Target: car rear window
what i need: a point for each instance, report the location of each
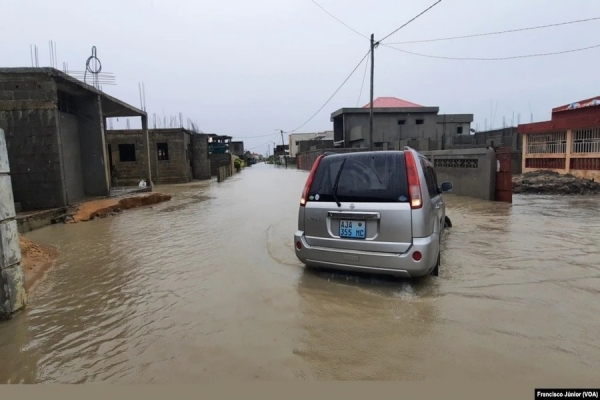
(365, 177)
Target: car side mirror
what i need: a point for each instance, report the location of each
(446, 187)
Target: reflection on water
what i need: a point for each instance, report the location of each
(207, 286)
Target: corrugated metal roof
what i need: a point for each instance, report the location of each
(594, 101)
(391, 102)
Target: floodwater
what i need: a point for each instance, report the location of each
(207, 286)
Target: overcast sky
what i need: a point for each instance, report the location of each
(246, 68)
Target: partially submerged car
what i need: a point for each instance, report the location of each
(377, 211)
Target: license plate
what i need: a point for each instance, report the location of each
(353, 229)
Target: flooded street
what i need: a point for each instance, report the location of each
(207, 286)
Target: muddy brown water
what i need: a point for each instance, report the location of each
(207, 286)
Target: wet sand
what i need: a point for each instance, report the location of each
(36, 261)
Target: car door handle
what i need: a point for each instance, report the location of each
(437, 206)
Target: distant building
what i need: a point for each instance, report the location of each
(54, 126)
(395, 123)
(568, 143)
(237, 148)
(219, 154)
(281, 150)
(295, 139)
(176, 156)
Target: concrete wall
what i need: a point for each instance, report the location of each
(28, 115)
(177, 169)
(128, 173)
(57, 156)
(311, 145)
(13, 296)
(200, 160)
(219, 160)
(68, 126)
(472, 171)
(187, 151)
(96, 178)
(237, 148)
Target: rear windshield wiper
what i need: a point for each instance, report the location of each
(335, 185)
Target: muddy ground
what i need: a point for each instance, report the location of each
(36, 260)
(104, 207)
(548, 182)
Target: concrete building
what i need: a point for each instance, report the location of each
(569, 143)
(295, 139)
(176, 156)
(219, 154)
(54, 126)
(237, 148)
(396, 123)
(281, 150)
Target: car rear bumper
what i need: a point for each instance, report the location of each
(400, 265)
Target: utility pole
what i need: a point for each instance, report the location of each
(371, 105)
(283, 145)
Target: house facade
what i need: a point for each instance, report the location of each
(55, 135)
(176, 156)
(296, 139)
(397, 123)
(569, 143)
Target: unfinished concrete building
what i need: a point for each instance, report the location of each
(237, 148)
(54, 126)
(218, 149)
(398, 123)
(176, 156)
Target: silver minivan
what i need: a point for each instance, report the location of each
(377, 211)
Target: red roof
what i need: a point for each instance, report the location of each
(391, 102)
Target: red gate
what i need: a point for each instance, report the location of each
(503, 175)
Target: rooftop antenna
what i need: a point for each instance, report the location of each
(94, 67)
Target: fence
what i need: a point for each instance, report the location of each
(223, 173)
(12, 281)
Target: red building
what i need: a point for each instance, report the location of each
(569, 143)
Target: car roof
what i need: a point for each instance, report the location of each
(364, 153)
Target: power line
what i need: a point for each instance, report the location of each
(265, 143)
(421, 13)
(334, 93)
(252, 137)
(493, 58)
(363, 82)
(498, 32)
(339, 20)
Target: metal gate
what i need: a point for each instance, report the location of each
(503, 175)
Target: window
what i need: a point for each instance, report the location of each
(401, 122)
(127, 152)
(364, 178)
(430, 179)
(66, 103)
(420, 121)
(459, 130)
(163, 151)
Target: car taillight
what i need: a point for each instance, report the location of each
(414, 183)
(309, 181)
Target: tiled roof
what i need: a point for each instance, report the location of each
(391, 102)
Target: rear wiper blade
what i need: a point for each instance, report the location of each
(335, 185)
